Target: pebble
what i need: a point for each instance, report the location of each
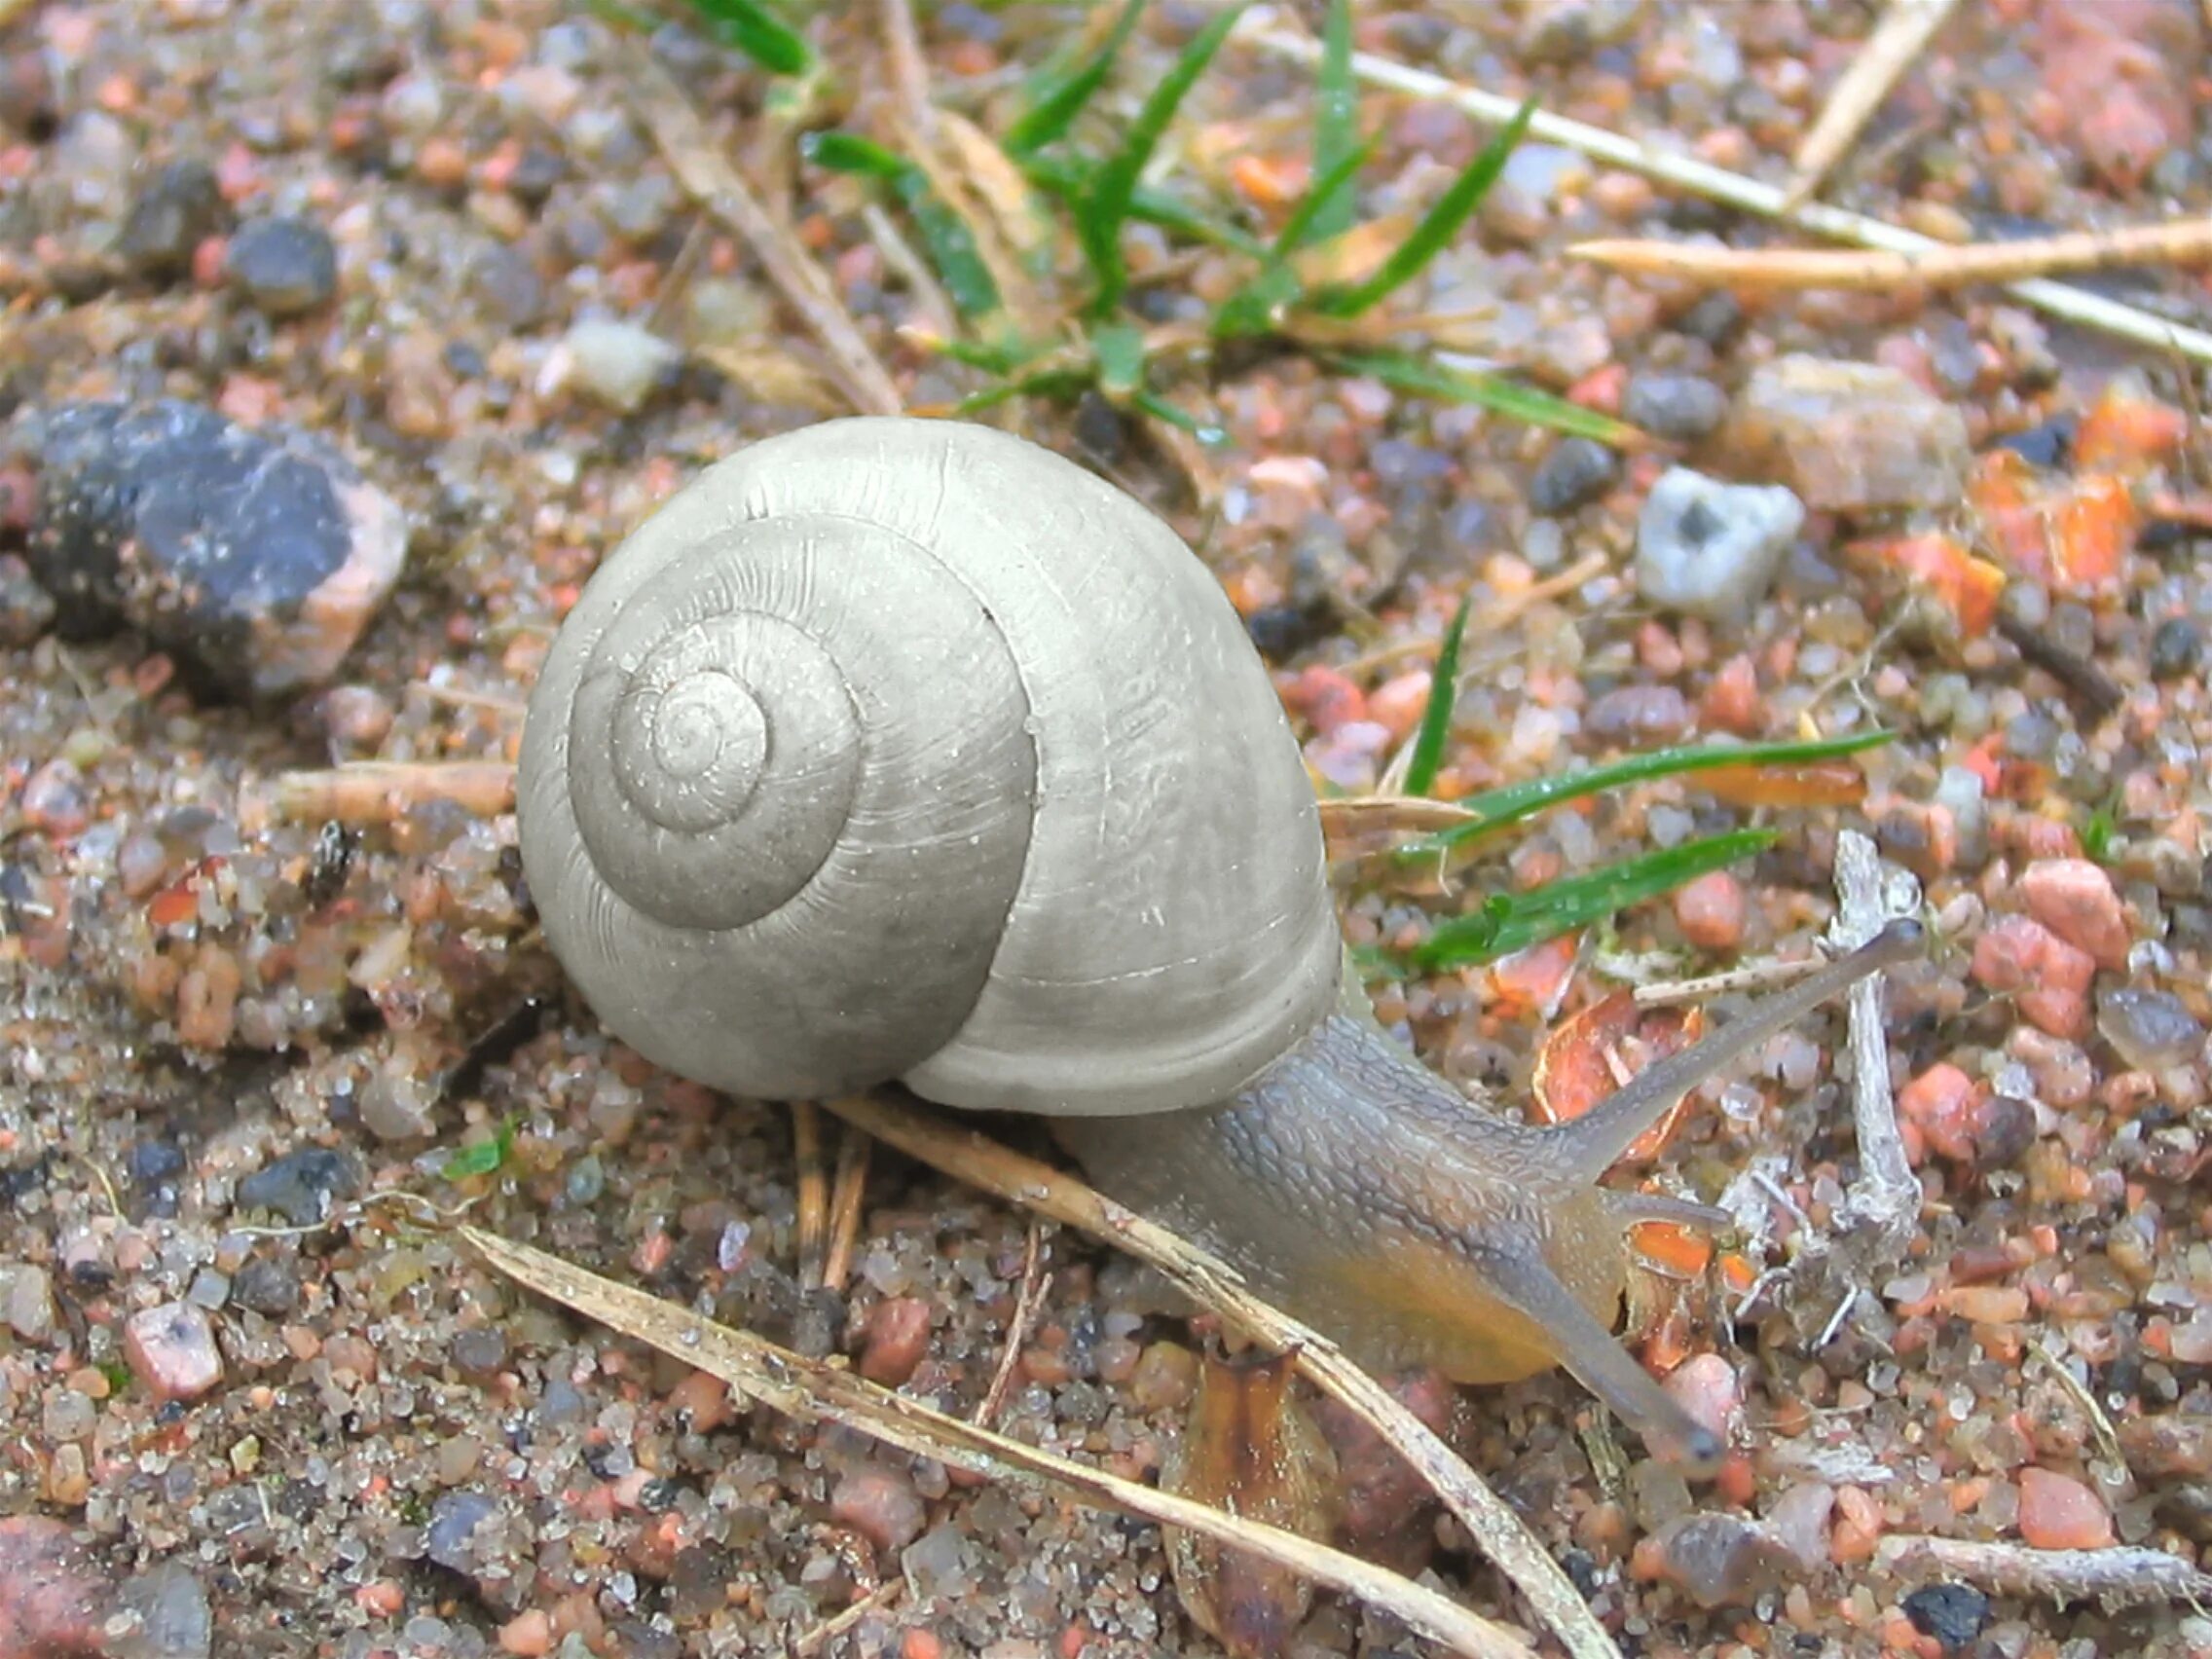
(1850, 437)
(1718, 1560)
(897, 1337)
(254, 558)
(52, 1597)
(28, 1302)
(2177, 647)
(2075, 899)
(1952, 1614)
(1577, 470)
(2059, 1513)
(176, 209)
(173, 1351)
(285, 266)
(173, 1620)
(2019, 956)
(1640, 713)
(1712, 910)
(619, 363)
(26, 610)
(303, 1187)
(1705, 1386)
(1677, 407)
(264, 1285)
(881, 1505)
(941, 1562)
(1712, 549)
(2153, 1030)
(451, 1540)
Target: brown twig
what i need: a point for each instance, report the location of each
(1028, 1302)
(2188, 241)
(976, 1158)
(721, 191)
(1746, 195)
(2115, 1578)
(381, 791)
(813, 1192)
(816, 1390)
(1494, 619)
(1898, 39)
(847, 1189)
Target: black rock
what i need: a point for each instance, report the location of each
(175, 211)
(255, 558)
(1952, 1614)
(153, 1166)
(287, 267)
(1677, 407)
(1577, 470)
(266, 1286)
(2177, 647)
(2048, 443)
(302, 1186)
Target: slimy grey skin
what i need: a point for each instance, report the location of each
(903, 750)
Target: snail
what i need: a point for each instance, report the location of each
(897, 748)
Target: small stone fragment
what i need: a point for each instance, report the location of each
(28, 1302)
(1850, 437)
(2018, 956)
(175, 211)
(52, 1597)
(2075, 899)
(264, 1285)
(1718, 1560)
(302, 1186)
(898, 1336)
(26, 610)
(619, 363)
(1712, 549)
(1705, 1386)
(2059, 1513)
(1952, 1614)
(1677, 407)
(255, 558)
(881, 1505)
(2153, 1030)
(173, 1620)
(1712, 911)
(452, 1540)
(1577, 470)
(173, 1351)
(287, 267)
(940, 1563)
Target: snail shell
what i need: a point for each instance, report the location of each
(907, 749)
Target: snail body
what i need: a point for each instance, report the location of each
(907, 749)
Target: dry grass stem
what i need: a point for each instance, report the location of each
(1886, 1197)
(1028, 1302)
(938, 314)
(819, 1391)
(1748, 195)
(2115, 1578)
(1905, 28)
(1752, 976)
(716, 187)
(1358, 827)
(847, 1191)
(1493, 618)
(2186, 243)
(982, 1163)
(382, 791)
(813, 1178)
(830, 1629)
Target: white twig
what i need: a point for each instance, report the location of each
(1749, 194)
(1885, 1195)
(1906, 27)
(2115, 1578)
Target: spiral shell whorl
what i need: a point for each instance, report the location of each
(907, 749)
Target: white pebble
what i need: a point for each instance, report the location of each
(1711, 548)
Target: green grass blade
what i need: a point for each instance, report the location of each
(757, 32)
(1328, 211)
(1208, 433)
(1067, 179)
(1514, 921)
(1332, 191)
(1439, 225)
(950, 244)
(1051, 381)
(1060, 99)
(481, 1157)
(1498, 393)
(1113, 188)
(1118, 348)
(1497, 808)
(1436, 717)
(1257, 308)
